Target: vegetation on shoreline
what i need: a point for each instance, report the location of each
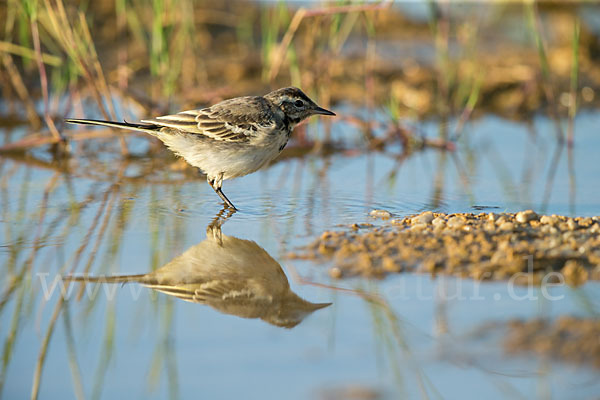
(124, 60)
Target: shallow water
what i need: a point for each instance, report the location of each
(419, 340)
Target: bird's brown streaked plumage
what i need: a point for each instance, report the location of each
(232, 138)
(235, 120)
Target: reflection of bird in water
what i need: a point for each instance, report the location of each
(234, 276)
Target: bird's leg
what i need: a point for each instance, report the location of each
(225, 199)
(213, 230)
(216, 185)
(221, 217)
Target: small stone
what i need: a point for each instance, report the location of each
(571, 224)
(335, 273)
(507, 226)
(383, 214)
(547, 220)
(438, 222)
(418, 227)
(423, 218)
(455, 222)
(489, 226)
(585, 222)
(526, 216)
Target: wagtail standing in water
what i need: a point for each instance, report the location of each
(232, 138)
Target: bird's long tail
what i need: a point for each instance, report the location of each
(140, 127)
(105, 278)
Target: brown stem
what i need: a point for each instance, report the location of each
(43, 79)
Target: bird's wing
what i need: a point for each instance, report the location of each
(229, 291)
(235, 120)
(207, 292)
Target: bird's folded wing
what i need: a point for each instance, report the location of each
(230, 291)
(226, 121)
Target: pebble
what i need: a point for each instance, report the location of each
(548, 220)
(586, 222)
(438, 222)
(423, 218)
(418, 227)
(455, 222)
(335, 273)
(382, 214)
(526, 216)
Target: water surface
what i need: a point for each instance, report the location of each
(104, 216)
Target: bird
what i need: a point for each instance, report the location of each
(232, 138)
(233, 276)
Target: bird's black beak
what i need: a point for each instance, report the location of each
(319, 110)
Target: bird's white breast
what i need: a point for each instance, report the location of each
(230, 159)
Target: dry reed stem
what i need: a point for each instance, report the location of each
(547, 88)
(29, 263)
(17, 50)
(102, 80)
(22, 92)
(574, 85)
(43, 79)
(72, 45)
(279, 53)
(75, 370)
(37, 376)
(110, 199)
(61, 300)
(41, 139)
(17, 278)
(299, 279)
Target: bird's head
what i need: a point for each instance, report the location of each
(295, 104)
(290, 309)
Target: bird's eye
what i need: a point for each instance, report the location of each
(299, 103)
